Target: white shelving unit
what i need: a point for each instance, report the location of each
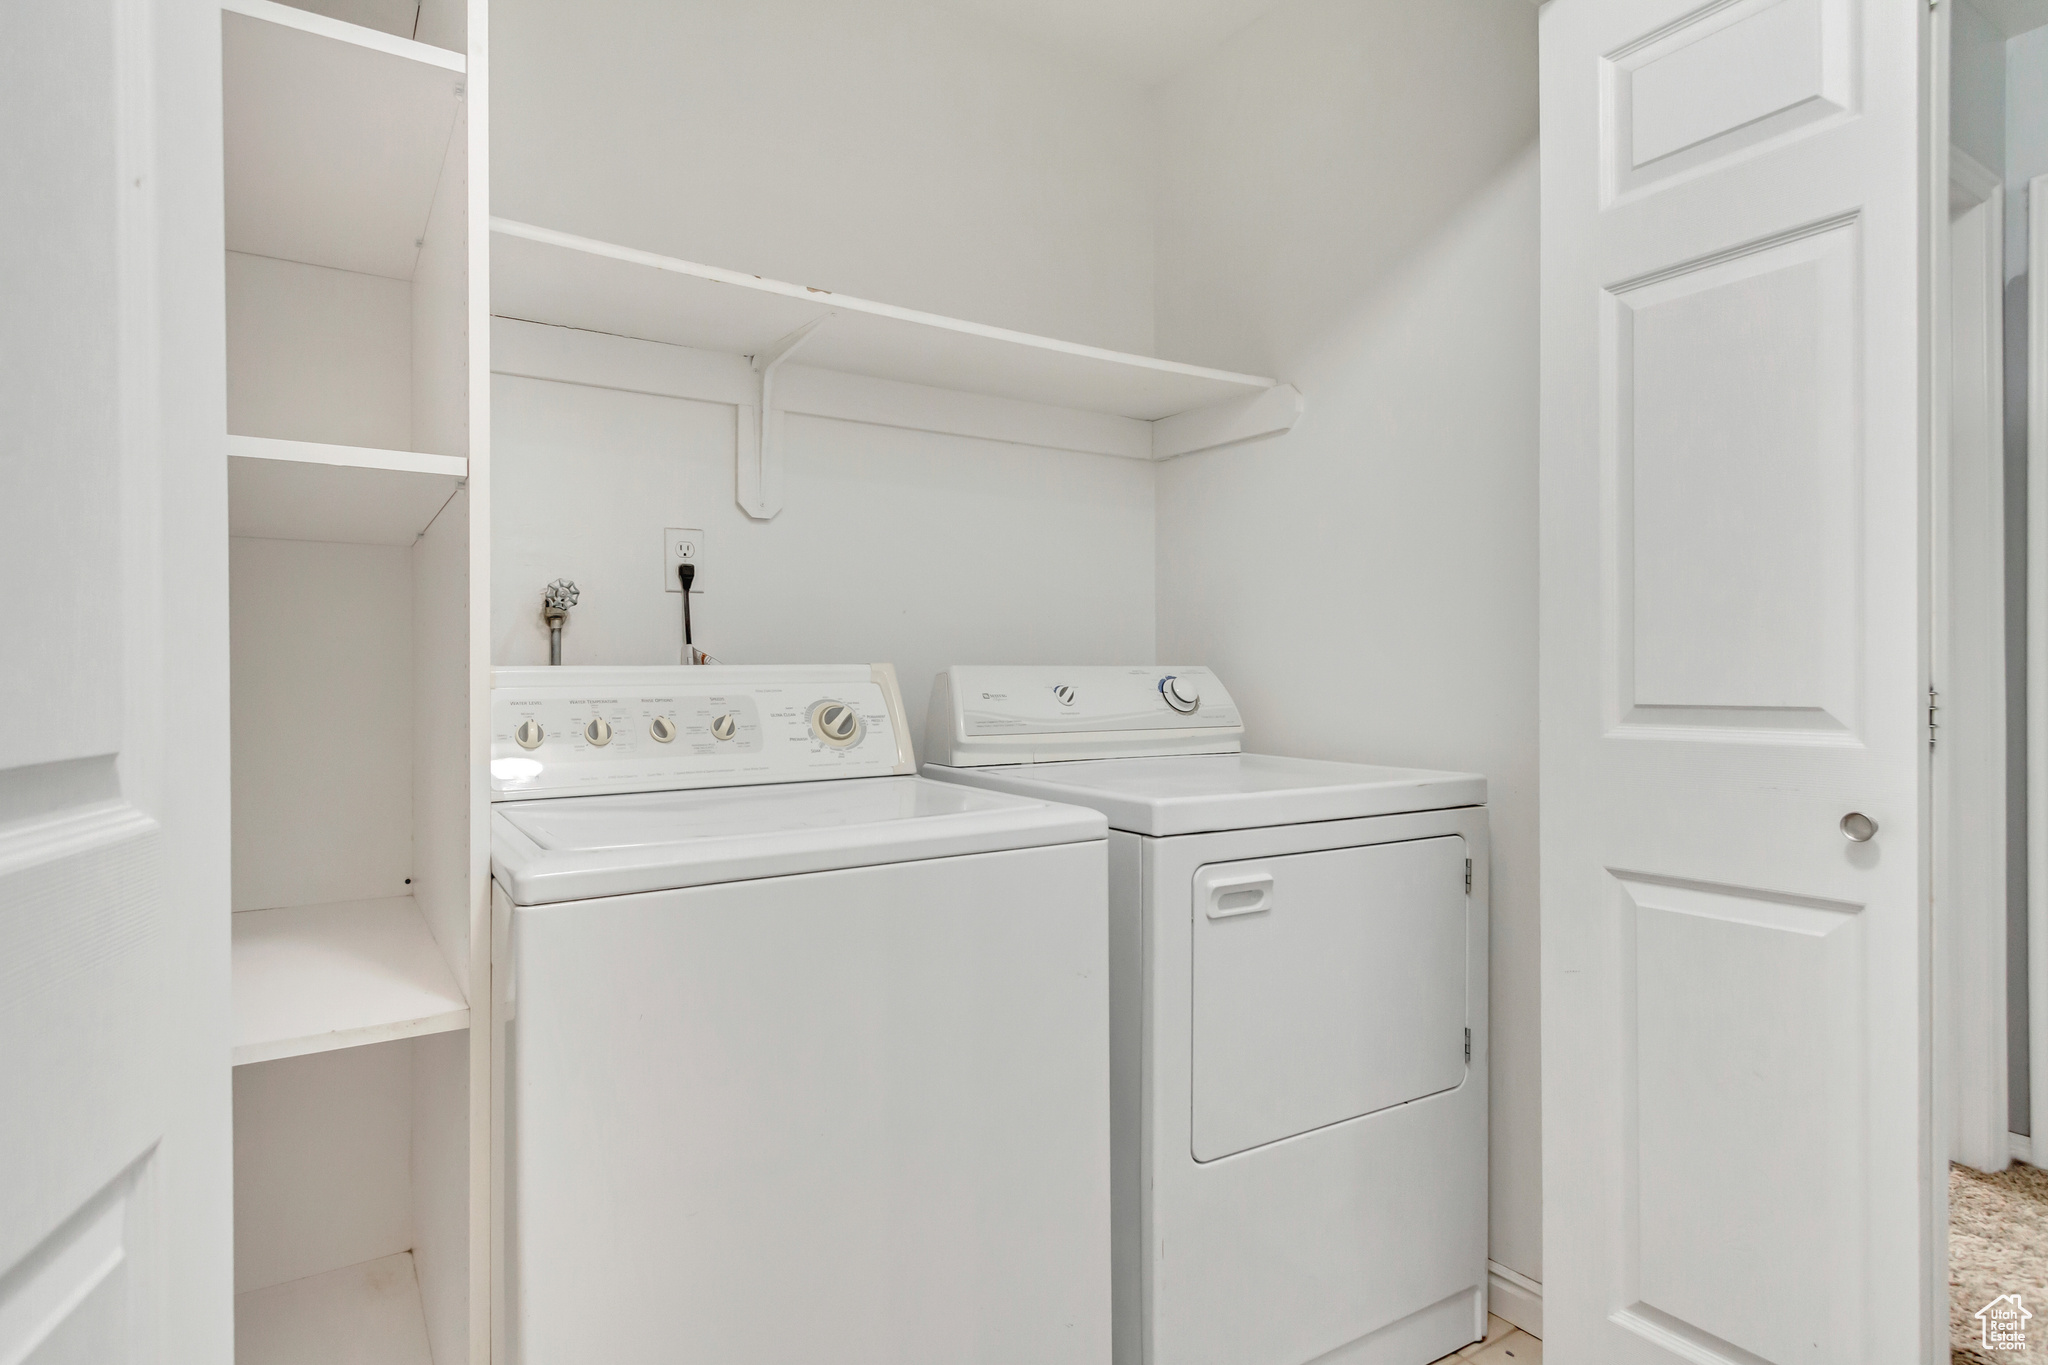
(357, 405)
(311, 978)
(545, 276)
(306, 490)
(335, 137)
(542, 275)
(364, 1314)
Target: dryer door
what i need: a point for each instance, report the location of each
(1326, 986)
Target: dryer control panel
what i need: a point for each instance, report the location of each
(579, 731)
(985, 715)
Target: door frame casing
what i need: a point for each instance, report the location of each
(2037, 671)
(1967, 732)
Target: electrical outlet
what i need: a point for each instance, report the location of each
(682, 545)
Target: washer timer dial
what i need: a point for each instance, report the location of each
(836, 723)
(1182, 694)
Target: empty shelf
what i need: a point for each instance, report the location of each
(540, 275)
(302, 490)
(336, 136)
(311, 978)
(366, 1314)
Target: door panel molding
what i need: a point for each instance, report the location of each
(1730, 78)
(1732, 491)
(78, 1289)
(1734, 1004)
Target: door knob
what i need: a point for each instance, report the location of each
(1858, 827)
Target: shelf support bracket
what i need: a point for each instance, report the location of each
(1266, 413)
(758, 474)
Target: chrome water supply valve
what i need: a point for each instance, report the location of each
(554, 608)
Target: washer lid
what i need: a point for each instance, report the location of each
(1195, 794)
(579, 847)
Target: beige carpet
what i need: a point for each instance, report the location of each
(1997, 1244)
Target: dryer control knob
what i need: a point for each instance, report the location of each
(1182, 694)
(599, 731)
(662, 728)
(529, 734)
(836, 724)
(725, 726)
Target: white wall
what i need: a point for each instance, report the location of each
(904, 546)
(1348, 201)
(323, 1162)
(440, 1188)
(1977, 86)
(320, 663)
(890, 149)
(1345, 197)
(316, 354)
(2026, 136)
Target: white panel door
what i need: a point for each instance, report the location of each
(1737, 1162)
(114, 1157)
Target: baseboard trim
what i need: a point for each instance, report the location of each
(1515, 1297)
(2022, 1148)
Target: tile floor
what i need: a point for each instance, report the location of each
(1505, 1344)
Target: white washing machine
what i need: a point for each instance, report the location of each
(1297, 1017)
(798, 1056)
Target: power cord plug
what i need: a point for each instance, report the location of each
(687, 572)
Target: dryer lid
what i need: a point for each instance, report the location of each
(1201, 793)
(580, 847)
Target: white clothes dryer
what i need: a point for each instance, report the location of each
(797, 1056)
(1298, 977)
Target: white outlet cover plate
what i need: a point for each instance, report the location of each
(681, 544)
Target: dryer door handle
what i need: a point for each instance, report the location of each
(1246, 894)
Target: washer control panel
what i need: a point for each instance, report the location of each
(1016, 714)
(568, 731)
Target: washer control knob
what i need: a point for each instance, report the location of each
(725, 726)
(1182, 694)
(662, 728)
(836, 724)
(529, 734)
(1064, 695)
(599, 731)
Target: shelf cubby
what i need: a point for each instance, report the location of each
(365, 1314)
(311, 978)
(351, 149)
(309, 490)
(336, 137)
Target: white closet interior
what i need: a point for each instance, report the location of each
(1322, 213)
(1337, 197)
(351, 136)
